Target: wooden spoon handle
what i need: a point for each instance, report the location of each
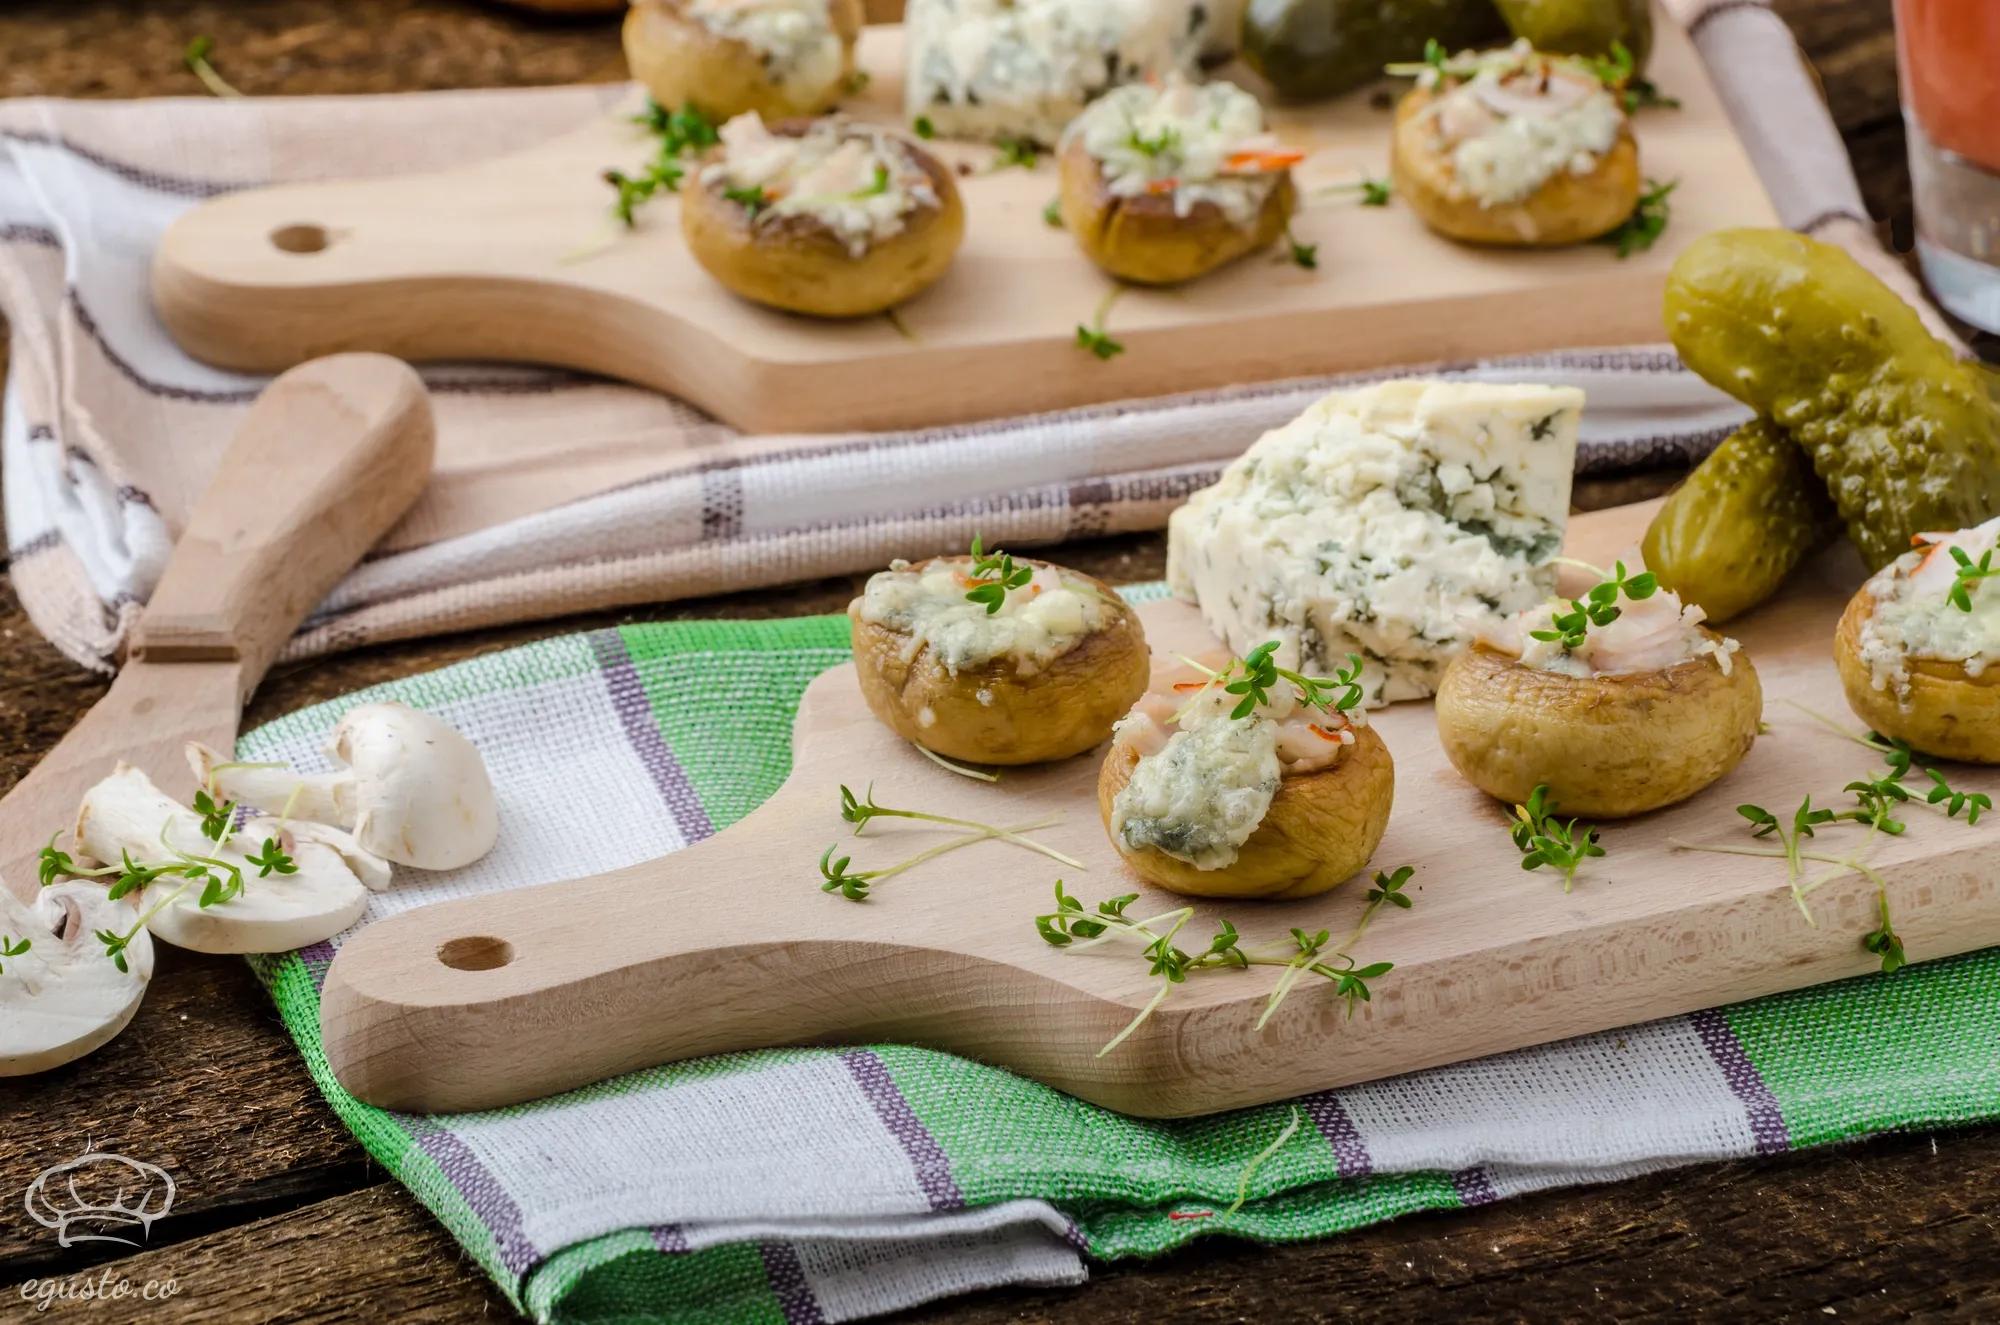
(329, 457)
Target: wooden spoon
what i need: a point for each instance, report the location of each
(328, 458)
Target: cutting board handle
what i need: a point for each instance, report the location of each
(329, 457)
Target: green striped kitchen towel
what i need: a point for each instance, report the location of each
(832, 1184)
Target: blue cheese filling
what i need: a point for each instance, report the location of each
(1190, 141)
(1915, 618)
(1201, 797)
(1024, 69)
(794, 38)
(1519, 121)
(860, 183)
(1036, 624)
(1393, 522)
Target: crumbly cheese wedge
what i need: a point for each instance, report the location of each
(1393, 522)
(1022, 69)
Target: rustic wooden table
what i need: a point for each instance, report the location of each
(282, 1218)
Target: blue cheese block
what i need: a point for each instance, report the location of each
(1391, 522)
(1022, 69)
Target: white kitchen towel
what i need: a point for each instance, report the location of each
(557, 493)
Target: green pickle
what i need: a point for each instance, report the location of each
(1319, 48)
(1746, 517)
(1905, 436)
(1583, 27)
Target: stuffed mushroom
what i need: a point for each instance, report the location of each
(1165, 182)
(726, 57)
(829, 218)
(1275, 789)
(1516, 148)
(996, 660)
(1915, 646)
(1619, 703)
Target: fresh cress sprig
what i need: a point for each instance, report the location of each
(196, 58)
(679, 132)
(1253, 676)
(993, 576)
(1094, 336)
(1544, 839)
(1599, 607)
(1648, 221)
(1072, 925)
(1021, 152)
(854, 885)
(12, 947)
(861, 811)
(1970, 573)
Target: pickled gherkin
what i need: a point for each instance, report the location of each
(1320, 48)
(1583, 27)
(1905, 437)
(1746, 517)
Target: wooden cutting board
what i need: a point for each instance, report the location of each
(517, 259)
(731, 945)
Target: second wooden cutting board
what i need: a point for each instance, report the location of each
(518, 259)
(731, 944)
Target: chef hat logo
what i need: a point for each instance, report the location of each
(101, 1197)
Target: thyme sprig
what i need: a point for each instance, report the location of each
(1970, 573)
(1544, 839)
(993, 575)
(1072, 925)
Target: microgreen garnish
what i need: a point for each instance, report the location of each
(752, 199)
(854, 885)
(1648, 221)
(856, 82)
(1374, 192)
(1804, 819)
(1020, 152)
(923, 127)
(196, 58)
(860, 811)
(878, 185)
(1883, 940)
(1168, 139)
(1071, 925)
(1969, 574)
(1544, 839)
(1052, 214)
(992, 576)
(1644, 94)
(1597, 608)
(1095, 337)
(12, 947)
(680, 132)
(1253, 676)
(215, 817)
(55, 863)
(1257, 1162)
(272, 859)
(1299, 254)
(1614, 71)
(953, 766)
(1942, 793)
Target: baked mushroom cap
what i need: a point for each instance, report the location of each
(1946, 712)
(1142, 238)
(797, 263)
(1321, 828)
(1566, 209)
(1606, 746)
(683, 62)
(992, 714)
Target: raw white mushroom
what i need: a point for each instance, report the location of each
(275, 913)
(63, 997)
(414, 790)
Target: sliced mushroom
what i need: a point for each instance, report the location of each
(274, 912)
(61, 996)
(414, 790)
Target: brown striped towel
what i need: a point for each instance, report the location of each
(556, 492)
